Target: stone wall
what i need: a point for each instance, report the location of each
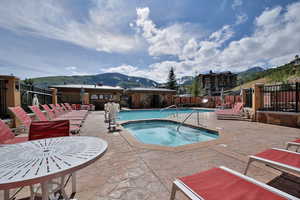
(279, 118)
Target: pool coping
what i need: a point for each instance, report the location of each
(223, 138)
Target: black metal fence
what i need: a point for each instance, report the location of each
(283, 97)
(248, 95)
(3, 96)
(27, 93)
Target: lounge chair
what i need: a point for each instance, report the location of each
(59, 112)
(226, 184)
(295, 143)
(69, 108)
(52, 115)
(74, 125)
(65, 111)
(281, 159)
(22, 116)
(7, 136)
(42, 129)
(234, 113)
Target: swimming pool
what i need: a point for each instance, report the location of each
(161, 132)
(154, 114)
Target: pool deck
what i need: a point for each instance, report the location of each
(129, 172)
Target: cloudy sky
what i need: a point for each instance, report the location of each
(145, 37)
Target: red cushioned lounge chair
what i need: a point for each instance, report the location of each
(41, 117)
(234, 113)
(42, 129)
(71, 109)
(7, 136)
(59, 113)
(21, 115)
(281, 159)
(64, 111)
(225, 184)
(295, 143)
(53, 116)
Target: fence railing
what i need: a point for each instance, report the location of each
(283, 97)
(3, 105)
(27, 92)
(248, 97)
(213, 101)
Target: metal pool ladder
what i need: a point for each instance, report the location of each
(169, 108)
(189, 115)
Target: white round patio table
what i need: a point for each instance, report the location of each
(40, 161)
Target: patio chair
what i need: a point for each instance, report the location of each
(42, 129)
(53, 116)
(21, 115)
(59, 112)
(226, 184)
(65, 111)
(7, 136)
(74, 125)
(234, 113)
(280, 159)
(69, 107)
(295, 143)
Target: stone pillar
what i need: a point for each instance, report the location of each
(257, 98)
(244, 97)
(54, 95)
(86, 98)
(13, 96)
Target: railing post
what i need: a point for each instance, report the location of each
(297, 97)
(257, 98)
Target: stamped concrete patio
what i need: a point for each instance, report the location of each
(127, 172)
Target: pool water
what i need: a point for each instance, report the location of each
(165, 133)
(154, 114)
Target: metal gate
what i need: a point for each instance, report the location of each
(3, 105)
(28, 91)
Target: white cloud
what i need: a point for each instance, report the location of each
(74, 71)
(101, 30)
(236, 3)
(165, 41)
(274, 42)
(241, 18)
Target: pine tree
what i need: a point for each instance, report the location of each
(196, 88)
(172, 84)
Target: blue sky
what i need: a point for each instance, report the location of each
(145, 37)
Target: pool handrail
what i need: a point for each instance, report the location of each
(169, 108)
(189, 115)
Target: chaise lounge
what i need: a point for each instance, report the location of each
(226, 184)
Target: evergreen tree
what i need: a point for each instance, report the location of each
(196, 87)
(172, 84)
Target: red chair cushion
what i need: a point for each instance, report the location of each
(216, 184)
(49, 129)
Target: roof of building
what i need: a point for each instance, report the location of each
(150, 89)
(97, 87)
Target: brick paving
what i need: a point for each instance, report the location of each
(127, 172)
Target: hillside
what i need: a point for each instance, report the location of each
(111, 79)
(281, 74)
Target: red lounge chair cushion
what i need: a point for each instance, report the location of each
(297, 141)
(21, 115)
(40, 115)
(16, 140)
(7, 137)
(284, 157)
(42, 129)
(216, 184)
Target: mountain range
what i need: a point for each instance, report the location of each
(122, 80)
(111, 79)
